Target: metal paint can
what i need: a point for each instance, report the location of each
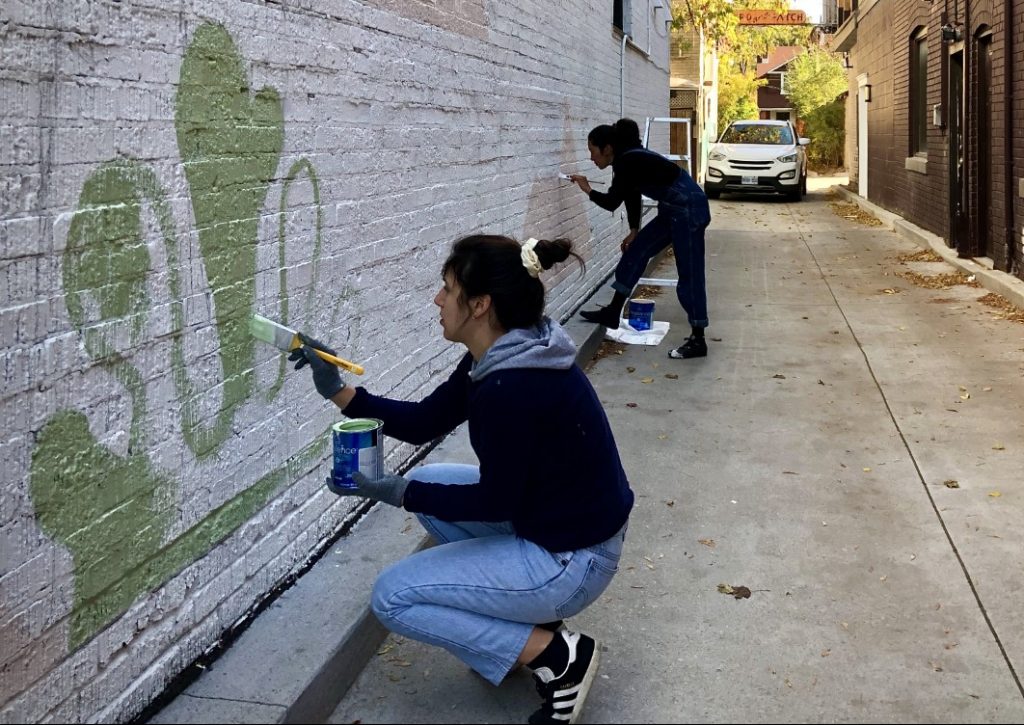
(641, 314)
(358, 446)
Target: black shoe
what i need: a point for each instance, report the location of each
(602, 316)
(565, 694)
(693, 347)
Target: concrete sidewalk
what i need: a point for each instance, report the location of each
(850, 451)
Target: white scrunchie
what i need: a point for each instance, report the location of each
(530, 259)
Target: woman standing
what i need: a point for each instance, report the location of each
(533, 534)
(683, 215)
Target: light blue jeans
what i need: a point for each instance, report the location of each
(481, 590)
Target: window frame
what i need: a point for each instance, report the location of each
(622, 11)
(917, 106)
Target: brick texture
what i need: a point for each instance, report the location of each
(168, 168)
(994, 211)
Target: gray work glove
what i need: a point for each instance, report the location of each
(326, 376)
(389, 488)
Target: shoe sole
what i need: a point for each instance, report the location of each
(588, 680)
(672, 354)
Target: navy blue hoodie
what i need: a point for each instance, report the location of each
(548, 460)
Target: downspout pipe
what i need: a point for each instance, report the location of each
(622, 76)
(1008, 158)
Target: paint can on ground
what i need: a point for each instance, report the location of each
(358, 446)
(641, 314)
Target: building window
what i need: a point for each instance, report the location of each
(919, 93)
(621, 16)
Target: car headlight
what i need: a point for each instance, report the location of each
(788, 158)
(719, 156)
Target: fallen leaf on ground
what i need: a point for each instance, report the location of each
(951, 483)
(937, 281)
(994, 494)
(630, 405)
(998, 447)
(646, 380)
(779, 376)
(631, 369)
(672, 376)
(710, 543)
(1009, 311)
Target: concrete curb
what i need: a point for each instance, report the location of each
(1002, 283)
(296, 660)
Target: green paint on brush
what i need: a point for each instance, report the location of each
(230, 143)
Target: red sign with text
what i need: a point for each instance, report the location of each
(770, 17)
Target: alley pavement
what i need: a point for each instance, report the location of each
(850, 456)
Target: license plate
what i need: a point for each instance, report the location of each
(750, 180)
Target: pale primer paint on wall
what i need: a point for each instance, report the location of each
(466, 17)
(111, 511)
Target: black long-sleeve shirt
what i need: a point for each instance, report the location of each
(548, 460)
(631, 171)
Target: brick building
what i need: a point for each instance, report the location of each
(935, 117)
(166, 170)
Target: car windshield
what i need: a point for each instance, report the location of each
(757, 133)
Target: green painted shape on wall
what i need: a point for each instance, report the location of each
(109, 511)
(230, 143)
(302, 165)
(103, 508)
(105, 263)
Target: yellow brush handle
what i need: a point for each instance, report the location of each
(351, 367)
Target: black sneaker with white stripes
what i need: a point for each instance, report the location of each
(565, 694)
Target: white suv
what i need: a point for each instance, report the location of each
(760, 157)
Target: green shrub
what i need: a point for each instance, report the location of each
(826, 127)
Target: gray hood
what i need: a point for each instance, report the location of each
(545, 346)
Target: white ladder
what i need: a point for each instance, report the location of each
(647, 202)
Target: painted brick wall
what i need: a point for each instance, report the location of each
(882, 51)
(169, 167)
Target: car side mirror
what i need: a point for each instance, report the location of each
(804, 141)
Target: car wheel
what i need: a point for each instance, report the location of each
(712, 193)
(797, 193)
(803, 184)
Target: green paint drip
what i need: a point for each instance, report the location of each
(230, 143)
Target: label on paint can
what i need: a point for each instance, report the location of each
(641, 314)
(358, 446)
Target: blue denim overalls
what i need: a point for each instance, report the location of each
(683, 215)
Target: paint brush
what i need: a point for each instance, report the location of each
(287, 339)
(567, 178)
